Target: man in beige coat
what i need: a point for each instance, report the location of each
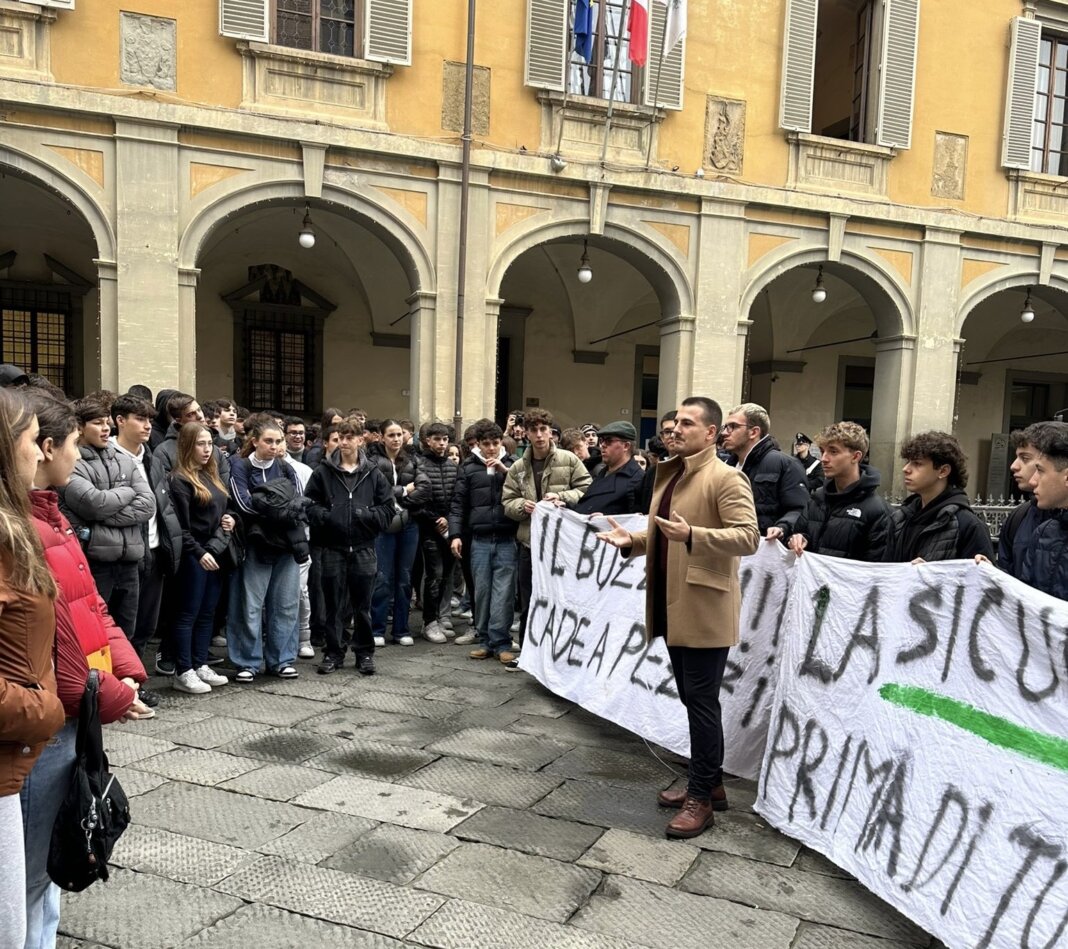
(701, 521)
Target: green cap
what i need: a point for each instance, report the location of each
(623, 430)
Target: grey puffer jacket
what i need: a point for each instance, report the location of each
(563, 475)
(109, 494)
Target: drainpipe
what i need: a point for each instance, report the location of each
(465, 193)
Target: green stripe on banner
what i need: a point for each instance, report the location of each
(998, 731)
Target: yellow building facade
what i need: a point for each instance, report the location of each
(158, 162)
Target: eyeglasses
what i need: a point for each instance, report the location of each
(667, 431)
(731, 426)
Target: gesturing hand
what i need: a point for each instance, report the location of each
(674, 529)
(208, 562)
(617, 536)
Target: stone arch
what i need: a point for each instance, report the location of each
(866, 276)
(660, 268)
(69, 191)
(1019, 277)
(405, 244)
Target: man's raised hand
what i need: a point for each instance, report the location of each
(617, 536)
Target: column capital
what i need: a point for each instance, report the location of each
(107, 269)
(188, 276)
(422, 298)
(892, 343)
(682, 323)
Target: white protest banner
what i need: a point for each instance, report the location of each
(585, 638)
(917, 739)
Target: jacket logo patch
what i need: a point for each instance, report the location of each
(853, 512)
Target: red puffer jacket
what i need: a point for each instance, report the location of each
(82, 615)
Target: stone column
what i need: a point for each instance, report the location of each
(422, 307)
(149, 347)
(486, 402)
(105, 373)
(892, 402)
(187, 328)
(721, 268)
(676, 361)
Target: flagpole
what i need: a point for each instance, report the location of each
(656, 92)
(567, 72)
(615, 75)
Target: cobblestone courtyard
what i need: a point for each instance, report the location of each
(443, 802)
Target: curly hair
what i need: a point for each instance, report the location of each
(940, 448)
(538, 417)
(849, 434)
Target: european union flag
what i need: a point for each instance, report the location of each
(584, 29)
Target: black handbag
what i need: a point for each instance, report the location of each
(95, 811)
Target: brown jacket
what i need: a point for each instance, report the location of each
(703, 593)
(30, 710)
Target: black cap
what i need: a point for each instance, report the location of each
(802, 438)
(11, 375)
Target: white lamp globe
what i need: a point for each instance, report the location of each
(307, 238)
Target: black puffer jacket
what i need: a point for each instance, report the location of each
(1016, 533)
(947, 529)
(349, 508)
(476, 502)
(780, 491)
(407, 474)
(441, 473)
(1045, 562)
(854, 524)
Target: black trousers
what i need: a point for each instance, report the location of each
(319, 620)
(348, 579)
(118, 585)
(526, 589)
(698, 675)
(437, 573)
(148, 599)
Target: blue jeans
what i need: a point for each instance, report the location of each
(42, 794)
(198, 595)
(257, 585)
(393, 585)
(494, 564)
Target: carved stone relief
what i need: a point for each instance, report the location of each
(149, 51)
(724, 135)
(452, 100)
(950, 165)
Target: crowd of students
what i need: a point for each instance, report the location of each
(125, 520)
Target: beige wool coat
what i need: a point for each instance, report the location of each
(703, 592)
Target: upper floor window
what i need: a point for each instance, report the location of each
(324, 26)
(609, 42)
(1049, 143)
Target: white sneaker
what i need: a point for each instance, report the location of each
(465, 639)
(515, 625)
(210, 676)
(433, 632)
(515, 646)
(404, 641)
(445, 623)
(190, 682)
(306, 651)
(380, 641)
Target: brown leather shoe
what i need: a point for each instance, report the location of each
(670, 798)
(694, 818)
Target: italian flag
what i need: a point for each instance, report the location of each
(638, 27)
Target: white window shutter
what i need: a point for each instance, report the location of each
(897, 75)
(245, 19)
(669, 95)
(548, 31)
(388, 32)
(1020, 97)
(798, 65)
(58, 4)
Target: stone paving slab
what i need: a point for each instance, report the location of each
(281, 745)
(210, 732)
(319, 837)
(540, 702)
(414, 732)
(606, 806)
(66, 942)
(814, 936)
(814, 862)
(277, 782)
(528, 832)
(167, 720)
(348, 722)
(256, 706)
(393, 854)
(386, 682)
(497, 747)
(394, 803)
(496, 718)
(374, 759)
(408, 706)
(460, 924)
(212, 814)
(578, 732)
(746, 835)
(660, 917)
(266, 927)
(642, 772)
(469, 697)
(664, 862)
(124, 747)
(332, 895)
(141, 910)
(473, 676)
(535, 886)
(196, 766)
(810, 896)
(135, 783)
(177, 856)
(489, 783)
(327, 689)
